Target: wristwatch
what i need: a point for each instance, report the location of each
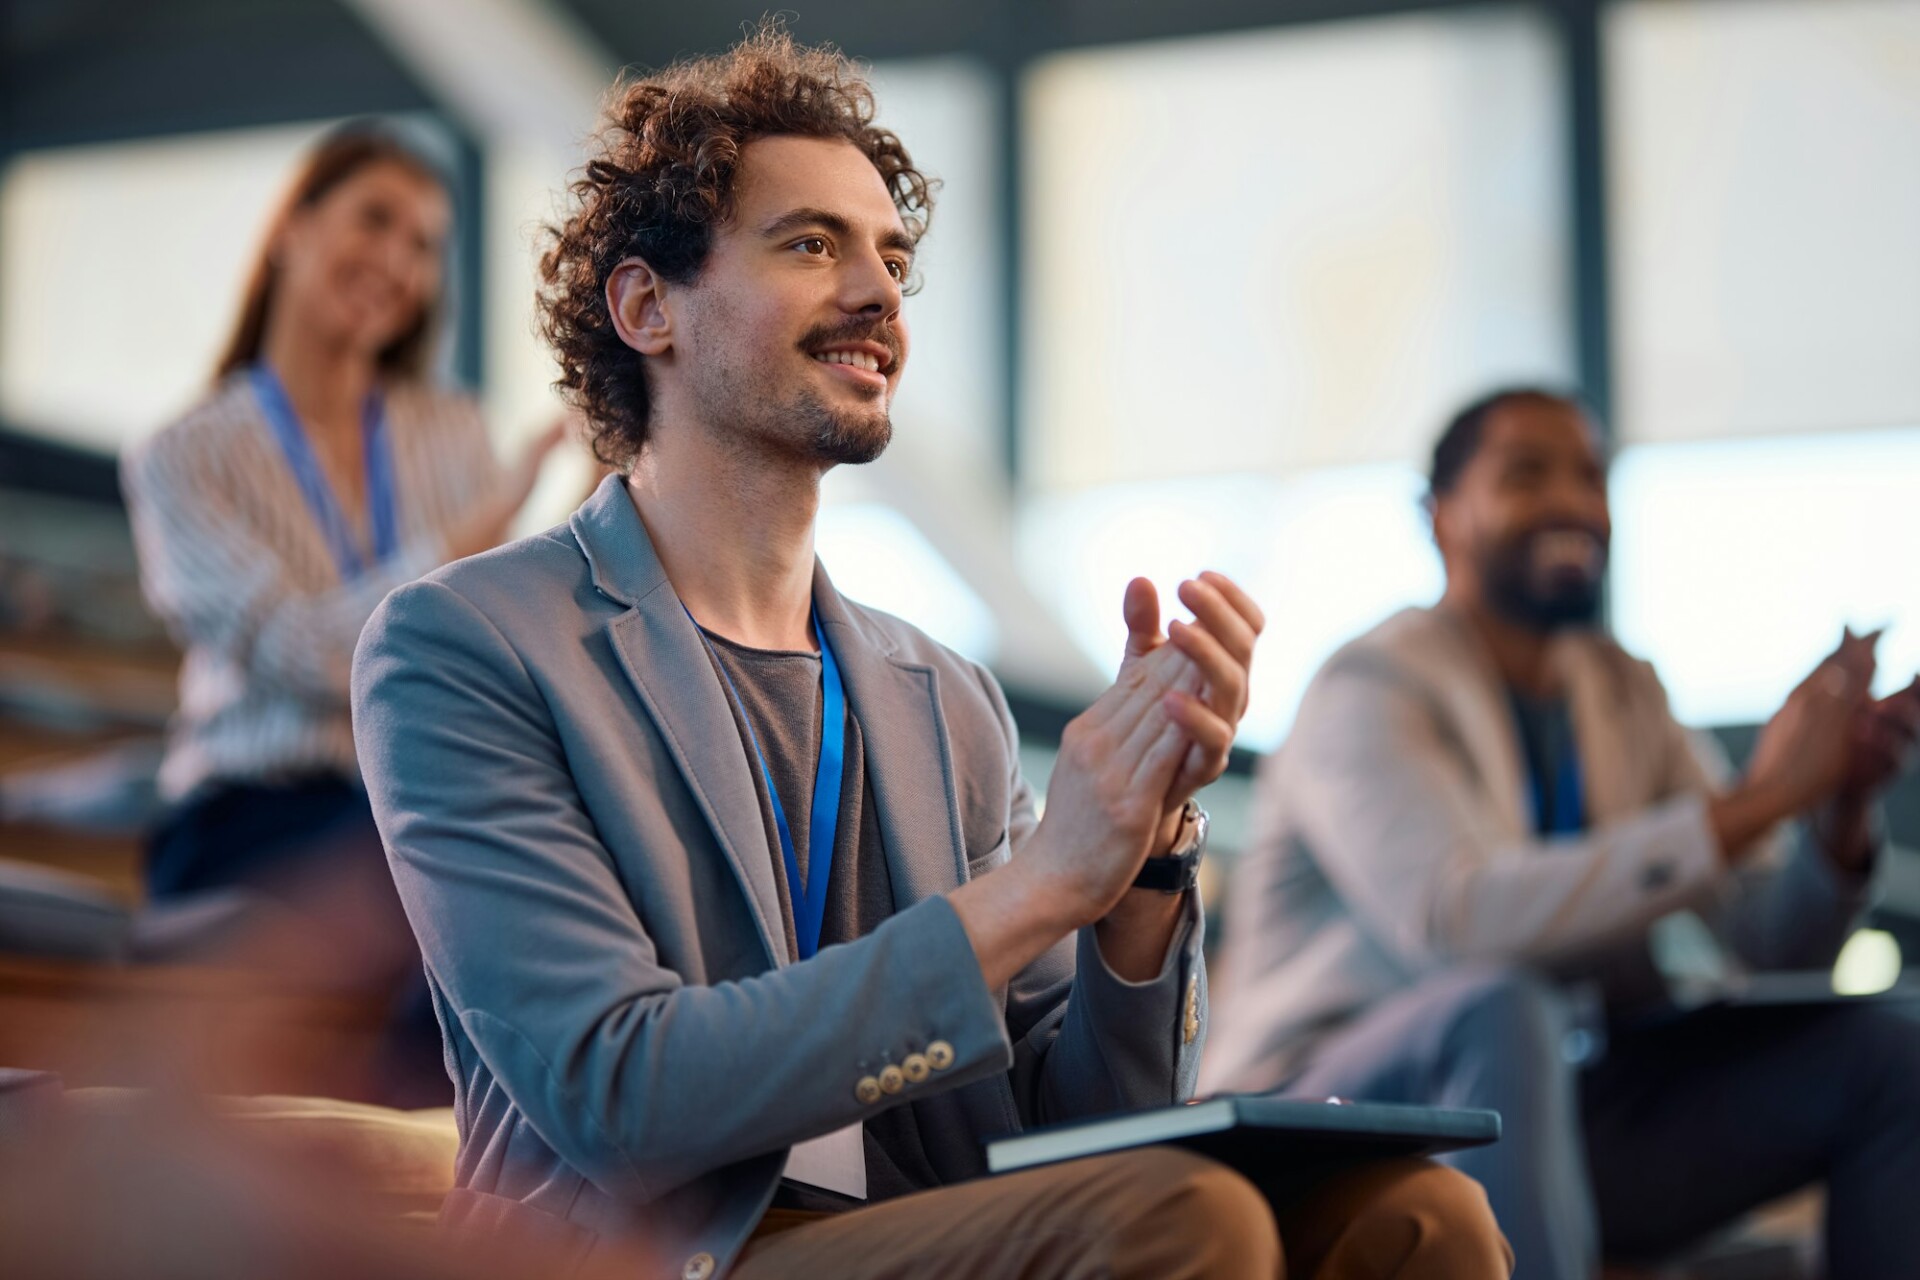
(1177, 870)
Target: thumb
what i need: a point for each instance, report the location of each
(1141, 608)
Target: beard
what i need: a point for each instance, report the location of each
(836, 436)
(763, 406)
(1540, 598)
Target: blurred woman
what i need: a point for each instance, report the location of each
(321, 470)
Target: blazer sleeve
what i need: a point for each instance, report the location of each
(1086, 1041)
(211, 568)
(1388, 801)
(639, 1079)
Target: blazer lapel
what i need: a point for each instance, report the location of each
(1596, 707)
(1486, 724)
(909, 758)
(664, 657)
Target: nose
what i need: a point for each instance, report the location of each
(869, 288)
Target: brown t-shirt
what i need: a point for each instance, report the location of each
(781, 692)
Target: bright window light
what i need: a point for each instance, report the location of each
(1736, 563)
(1327, 555)
(877, 556)
(120, 271)
(1764, 175)
(1288, 249)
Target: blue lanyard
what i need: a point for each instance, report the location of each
(808, 894)
(313, 481)
(1569, 814)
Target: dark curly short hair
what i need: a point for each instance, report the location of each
(1460, 439)
(661, 180)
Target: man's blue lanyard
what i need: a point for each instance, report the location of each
(808, 894)
(1569, 812)
(320, 497)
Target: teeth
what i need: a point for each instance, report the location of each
(1569, 548)
(858, 359)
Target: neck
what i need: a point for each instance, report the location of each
(734, 530)
(327, 382)
(1520, 654)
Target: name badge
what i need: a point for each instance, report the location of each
(835, 1162)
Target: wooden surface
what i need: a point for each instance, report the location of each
(221, 1031)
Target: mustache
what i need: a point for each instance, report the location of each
(855, 330)
(1596, 531)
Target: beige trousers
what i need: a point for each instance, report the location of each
(1152, 1214)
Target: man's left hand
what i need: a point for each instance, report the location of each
(1884, 733)
(1219, 642)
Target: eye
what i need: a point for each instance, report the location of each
(812, 246)
(897, 268)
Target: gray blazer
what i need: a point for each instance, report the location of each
(576, 835)
(1392, 838)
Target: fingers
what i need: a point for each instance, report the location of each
(1243, 604)
(1224, 674)
(1138, 717)
(1210, 731)
(1140, 606)
(1139, 686)
(1902, 705)
(1159, 759)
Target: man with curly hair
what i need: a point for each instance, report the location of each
(742, 924)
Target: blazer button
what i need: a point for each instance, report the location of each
(699, 1267)
(915, 1068)
(939, 1055)
(867, 1092)
(892, 1079)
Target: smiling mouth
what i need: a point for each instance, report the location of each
(858, 359)
(1568, 551)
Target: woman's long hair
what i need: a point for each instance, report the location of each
(334, 159)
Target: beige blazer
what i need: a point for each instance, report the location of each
(1393, 837)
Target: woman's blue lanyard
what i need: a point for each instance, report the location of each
(320, 497)
(808, 894)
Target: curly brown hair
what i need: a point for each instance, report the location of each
(661, 180)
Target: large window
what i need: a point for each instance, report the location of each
(1765, 175)
(1261, 271)
(120, 271)
(1737, 564)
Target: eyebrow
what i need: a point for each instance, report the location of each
(801, 219)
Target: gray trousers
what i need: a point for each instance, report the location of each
(1675, 1132)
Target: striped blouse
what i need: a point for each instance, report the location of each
(234, 562)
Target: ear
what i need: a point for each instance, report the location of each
(636, 299)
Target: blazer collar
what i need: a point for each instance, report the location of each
(897, 702)
(619, 553)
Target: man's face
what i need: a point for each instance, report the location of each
(792, 335)
(1525, 529)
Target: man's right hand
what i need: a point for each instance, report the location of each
(1803, 752)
